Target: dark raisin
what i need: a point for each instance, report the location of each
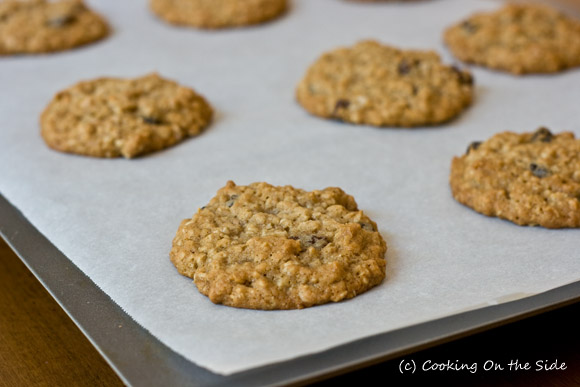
(538, 171)
(61, 21)
(293, 237)
(367, 226)
(318, 242)
(473, 146)
(341, 104)
(542, 134)
(469, 27)
(230, 202)
(151, 120)
(404, 67)
(247, 282)
(464, 77)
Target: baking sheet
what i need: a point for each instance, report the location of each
(115, 218)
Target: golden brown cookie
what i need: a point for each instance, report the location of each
(111, 117)
(40, 26)
(218, 13)
(530, 179)
(379, 85)
(519, 39)
(266, 247)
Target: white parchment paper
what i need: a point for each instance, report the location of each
(115, 219)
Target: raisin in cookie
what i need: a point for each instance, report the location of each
(40, 26)
(529, 179)
(383, 86)
(111, 117)
(519, 39)
(218, 13)
(266, 247)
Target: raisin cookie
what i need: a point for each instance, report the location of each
(40, 26)
(519, 39)
(266, 247)
(380, 85)
(111, 117)
(218, 13)
(530, 179)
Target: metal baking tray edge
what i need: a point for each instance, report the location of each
(141, 359)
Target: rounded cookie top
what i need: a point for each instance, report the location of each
(266, 247)
(380, 85)
(111, 117)
(40, 26)
(529, 179)
(218, 13)
(519, 39)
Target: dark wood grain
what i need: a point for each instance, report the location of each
(39, 343)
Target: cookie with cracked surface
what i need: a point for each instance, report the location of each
(218, 13)
(379, 85)
(530, 179)
(266, 247)
(518, 39)
(40, 26)
(112, 117)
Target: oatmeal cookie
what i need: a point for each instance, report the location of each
(266, 247)
(530, 179)
(379, 85)
(218, 13)
(40, 26)
(519, 39)
(111, 117)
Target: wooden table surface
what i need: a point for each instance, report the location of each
(41, 346)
